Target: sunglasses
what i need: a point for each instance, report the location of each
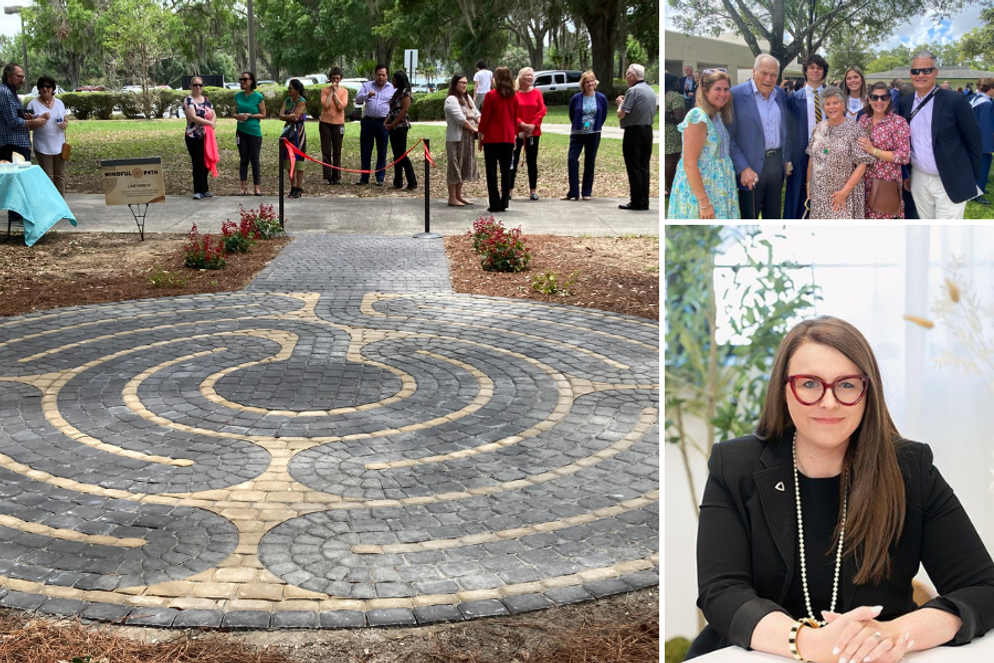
(923, 70)
(196, 85)
(242, 80)
(45, 87)
(714, 71)
(879, 97)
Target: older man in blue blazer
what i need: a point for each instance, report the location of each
(946, 146)
(760, 138)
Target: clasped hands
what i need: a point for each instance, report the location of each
(855, 637)
(866, 145)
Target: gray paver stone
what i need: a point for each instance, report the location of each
(526, 603)
(295, 619)
(484, 608)
(606, 587)
(62, 607)
(391, 617)
(198, 619)
(431, 614)
(568, 594)
(106, 612)
(246, 619)
(163, 617)
(342, 619)
(22, 600)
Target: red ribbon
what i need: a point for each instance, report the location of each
(293, 152)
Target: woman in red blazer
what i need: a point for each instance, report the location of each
(531, 110)
(498, 129)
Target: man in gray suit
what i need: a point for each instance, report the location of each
(759, 146)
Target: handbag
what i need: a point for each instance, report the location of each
(885, 197)
(66, 149)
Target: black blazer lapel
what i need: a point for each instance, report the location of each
(775, 486)
(938, 108)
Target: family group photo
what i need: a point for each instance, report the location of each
(834, 115)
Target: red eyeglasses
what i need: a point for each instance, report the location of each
(809, 389)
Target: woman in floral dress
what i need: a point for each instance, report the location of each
(889, 142)
(837, 164)
(704, 186)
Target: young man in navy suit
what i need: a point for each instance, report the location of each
(759, 136)
(805, 108)
(983, 109)
(946, 145)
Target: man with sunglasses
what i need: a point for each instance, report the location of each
(806, 110)
(759, 140)
(945, 144)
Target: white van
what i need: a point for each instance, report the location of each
(559, 79)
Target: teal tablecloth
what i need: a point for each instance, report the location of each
(30, 192)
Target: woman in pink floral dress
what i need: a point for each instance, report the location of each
(889, 141)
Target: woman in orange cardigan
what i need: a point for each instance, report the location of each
(531, 110)
(498, 126)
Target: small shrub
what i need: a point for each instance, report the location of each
(238, 238)
(203, 251)
(264, 221)
(160, 278)
(502, 250)
(549, 283)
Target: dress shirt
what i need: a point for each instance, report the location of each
(809, 92)
(769, 115)
(922, 156)
(688, 85)
(377, 106)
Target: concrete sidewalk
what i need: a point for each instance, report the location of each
(384, 215)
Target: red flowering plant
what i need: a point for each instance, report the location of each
(238, 238)
(203, 251)
(502, 250)
(264, 221)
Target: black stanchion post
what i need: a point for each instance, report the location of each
(427, 234)
(280, 143)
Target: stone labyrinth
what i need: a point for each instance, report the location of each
(303, 459)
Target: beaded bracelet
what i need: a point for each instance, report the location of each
(792, 637)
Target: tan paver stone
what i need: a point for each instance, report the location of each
(249, 604)
(239, 514)
(248, 496)
(175, 588)
(104, 597)
(236, 575)
(289, 606)
(435, 599)
(58, 592)
(187, 603)
(294, 592)
(150, 601)
(342, 604)
(377, 604)
(476, 595)
(215, 590)
(260, 591)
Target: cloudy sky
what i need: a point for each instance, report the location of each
(11, 25)
(928, 29)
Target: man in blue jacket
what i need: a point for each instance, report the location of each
(806, 110)
(759, 145)
(983, 108)
(946, 146)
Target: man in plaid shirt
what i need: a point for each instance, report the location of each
(15, 123)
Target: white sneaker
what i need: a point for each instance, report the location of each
(208, 195)
(198, 196)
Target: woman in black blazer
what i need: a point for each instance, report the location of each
(824, 573)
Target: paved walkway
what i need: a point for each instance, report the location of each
(346, 443)
(383, 215)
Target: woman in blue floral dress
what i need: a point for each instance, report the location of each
(704, 187)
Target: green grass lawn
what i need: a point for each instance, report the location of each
(93, 140)
(560, 115)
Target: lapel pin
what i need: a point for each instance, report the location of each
(780, 486)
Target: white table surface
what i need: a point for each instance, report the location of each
(978, 651)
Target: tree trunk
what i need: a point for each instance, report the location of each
(601, 19)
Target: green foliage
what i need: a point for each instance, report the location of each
(634, 51)
(160, 278)
(676, 649)
(848, 48)
(722, 384)
(884, 63)
(978, 43)
(550, 283)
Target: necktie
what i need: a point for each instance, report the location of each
(817, 107)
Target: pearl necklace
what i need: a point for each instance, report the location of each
(800, 534)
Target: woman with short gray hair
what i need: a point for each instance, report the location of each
(837, 163)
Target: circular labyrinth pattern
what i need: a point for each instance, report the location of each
(258, 460)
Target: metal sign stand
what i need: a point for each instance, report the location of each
(427, 234)
(139, 214)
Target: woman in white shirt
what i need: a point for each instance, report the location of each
(48, 139)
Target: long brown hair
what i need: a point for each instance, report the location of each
(503, 82)
(871, 477)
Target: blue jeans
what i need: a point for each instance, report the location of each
(372, 130)
(588, 144)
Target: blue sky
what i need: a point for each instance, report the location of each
(928, 29)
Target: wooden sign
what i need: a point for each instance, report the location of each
(133, 181)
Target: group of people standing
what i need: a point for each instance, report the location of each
(865, 151)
